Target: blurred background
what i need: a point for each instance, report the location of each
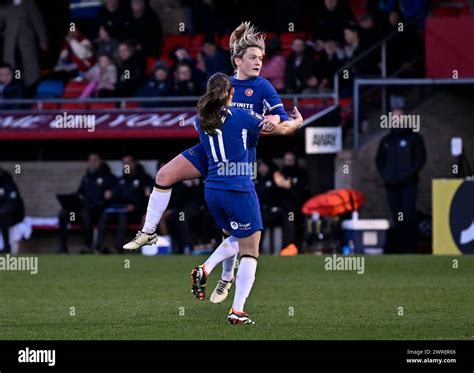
(343, 183)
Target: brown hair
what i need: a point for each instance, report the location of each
(219, 89)
(245, 36)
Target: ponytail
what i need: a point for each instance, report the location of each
(209, 107)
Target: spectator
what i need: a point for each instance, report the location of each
(274, 67)
(299, 68)
(330, 20)
(269, 195)
(102, 77)
(115, 15)
(128, 202)
(106, 42)
(400, 157)
(353, 47)
(131, 69)
(159, 85)
(330, 60)
(185, 84)
(10, 89)
(368, 31)
(11, 207)
(145, 28)
(23, 29)
(213, 59)
(77, 55)
(95, 191)
(293, 184)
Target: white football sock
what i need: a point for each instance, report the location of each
(244, 281)
(228, 268)
(228, 248)
(157, 204)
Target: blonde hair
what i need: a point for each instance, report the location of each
(245, 36)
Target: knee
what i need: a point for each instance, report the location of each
(247, 251)
(163, 177)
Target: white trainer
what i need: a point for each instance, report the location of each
(221, 291)
(141, 239)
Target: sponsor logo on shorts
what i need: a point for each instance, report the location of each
(243, 227)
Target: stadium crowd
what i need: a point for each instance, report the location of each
(126, 41)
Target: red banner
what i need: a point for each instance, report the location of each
(114, 124)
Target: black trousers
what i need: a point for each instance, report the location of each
(86, 218)
(402, 202)
(122, 220)
(275, 217)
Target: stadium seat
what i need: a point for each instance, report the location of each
(74, 88)
(150, 63)
(224, 42)
(73, 106)
(103, 105)
(50, 89)
(132, 105)
(173, 41)
(196, 45)
(358, 7)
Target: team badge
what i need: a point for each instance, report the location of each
(248, 92)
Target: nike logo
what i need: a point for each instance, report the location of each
(467, 235)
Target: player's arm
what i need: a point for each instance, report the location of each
(287, 127)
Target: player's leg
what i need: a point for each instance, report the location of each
(190, 164)
(246, 225)
(221, 291)
(245, 278)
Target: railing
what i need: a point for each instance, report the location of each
(395, 82)
(121, 102)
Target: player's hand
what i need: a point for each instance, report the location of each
(281, 181)
(270, 122)
(296, 116)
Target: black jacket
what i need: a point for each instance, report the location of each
(400, 156)
(11, 204)
(130, 189)
(93, 186)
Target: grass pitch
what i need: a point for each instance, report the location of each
(97, 297)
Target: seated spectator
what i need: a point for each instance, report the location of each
(293, 185)
(131, 69)
(212, 59)
(116, 15)
(12, 209)
(274, 67)
(330, 19)
(159, 85)
(10, 89)
(353, 47)
(185, 84)
(330, 60)
(369, 32)
(95, 191)
(102, 77)
(106, 43)
(145, 28)
(128, 202)
(77, 55)
(299, 70)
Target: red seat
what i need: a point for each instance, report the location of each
(173, 41)
(102, 105)
(74, 89)
(447, 11)
(132, 105)
(74, 106)
(150, 63)
(224, 43)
